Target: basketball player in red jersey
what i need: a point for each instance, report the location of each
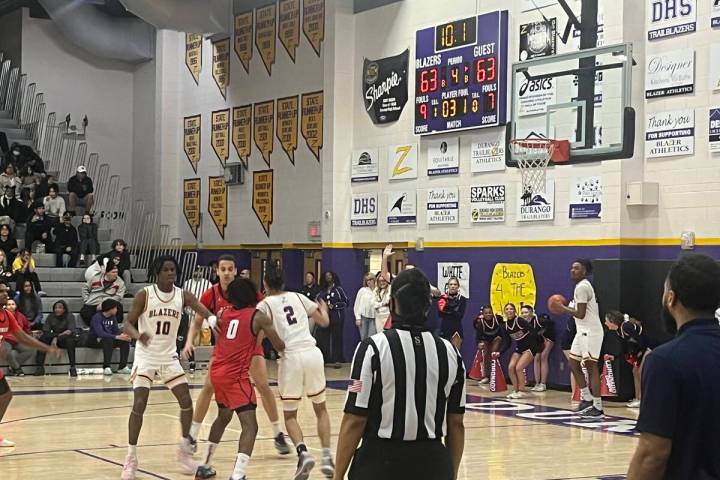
(215, 299)
(8, 325)
(237, 332)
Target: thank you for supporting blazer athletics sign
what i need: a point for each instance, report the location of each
(669, 18)
(670, 73)
(385, 87)
(669, 134)
(715, 130)
(364, 210)
(487, 203)
(443, 205)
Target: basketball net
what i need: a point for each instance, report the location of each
(533, 157)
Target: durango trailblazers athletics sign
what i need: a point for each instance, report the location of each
(385, 87)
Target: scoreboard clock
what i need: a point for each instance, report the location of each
(461, 74)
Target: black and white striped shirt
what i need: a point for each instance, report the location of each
(406, 383)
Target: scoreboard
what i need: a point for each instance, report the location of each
(461, 74)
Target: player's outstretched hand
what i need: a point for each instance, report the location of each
(188, 351)
(144, 338)
(54, 351)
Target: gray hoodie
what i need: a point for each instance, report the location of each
(97, 289)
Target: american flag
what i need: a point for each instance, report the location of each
(355, 386)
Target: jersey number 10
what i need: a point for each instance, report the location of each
(162, 328)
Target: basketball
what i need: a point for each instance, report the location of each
(554, 302)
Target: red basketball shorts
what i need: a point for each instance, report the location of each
(233, 393)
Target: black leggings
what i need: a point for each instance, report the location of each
(66, 341)
(109, 344)
(395, 459)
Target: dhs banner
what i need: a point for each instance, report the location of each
(364, 210)
(385, 87)
(669, 18)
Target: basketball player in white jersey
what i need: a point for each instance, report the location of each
(156, 311)
(301, 369)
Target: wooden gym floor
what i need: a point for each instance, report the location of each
(77, 428)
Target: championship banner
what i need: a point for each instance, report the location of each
(487, 203)
(312, 121)
(402, 207)
(586, 197)
(385, 87)
(402, 161)
(443, 157)
(536, 206)
(244, 38)
(242, 133)
(263, 124)
(265, 28)
(217, 203)
(538, 39)
(512, 283)
(487, 152)
(669, 134)
(191, 203)
(191, 139)
(220, 135)
(193, 55)
(365, 166)
(715, 13)
(287, 125)
(289, 26)
(715, 66)
(221, 65)
(667, 19)
(670, 73)
(443, 205)
(461, 271)
(314, 23)
(262, 202)
(715, 130)
(364, 210)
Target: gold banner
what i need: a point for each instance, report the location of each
(243, 38)
(314, 22)
(217, 203)
(191, 139)
(263, 120)
(221, 65)
(220, 134)
(287, 125)
(289, 26)
(191, 203)
(265, 28)
(193, 54)
(242, 133)
(263, 198)
(312, 121)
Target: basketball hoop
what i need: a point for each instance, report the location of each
(533, 156)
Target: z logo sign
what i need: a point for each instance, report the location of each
(402, 162)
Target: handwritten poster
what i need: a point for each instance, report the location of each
(217, 203)
(459, 270)
(244, 38)
(314, 22)
(263, 198)
(220, 136)
(265, 28)
(221, 65)
(512, 283)
(263, 123)
(242, 133)
(193, 54)
(287, 125)
(191, 203)
(312, 121)
(191, 139)
(289, 26)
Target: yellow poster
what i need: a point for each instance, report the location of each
(265, 28)
(193, 54)
(220, 135)
(312, 121)
(287, 125)
(314, 22)
(242, 123)
(512, 283)
(217, 203)
(221, 65)
(263, 198)
(191, 139)
(191, 203)
(243, 38)
(289, 26)
(263, 123)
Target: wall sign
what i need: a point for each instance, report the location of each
(193, 55)
(312, 121)
(538, 39)
(487, 153)
(242, 132)
(364, 210)
(191, 140)
(669, 134)
(191, 203)
(314, 23)
(287, 125)
(442, 205)
(512, 283)
(715, 13)
(262, 203)
(220, 136)
(487, 203)
(461, 271)
(402, 207)
(263, 123)
(670, 73)
(385, 87)
(244, 38)
(265, 29)
(586, 197)
(715, 66)
(217, 203)
(443, 156)
(289, 26)
(536, 206)
(534, 95)
(221, 65)
(715, 130)
(365, 166)
(402, 161)
(669, 18)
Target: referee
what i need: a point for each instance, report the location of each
(406, 392)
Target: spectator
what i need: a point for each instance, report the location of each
(451, 308)
(29, 304)
(311, 288)
(89, 244)
(24, 155)
(58, 331)
(66, 242)
(101, 287)
(105, 333)
(381, 303)
(81, 190)
(43, 188)
(30, 180)
(11, 208)
(213, 272)
(120, 257)
(6, 273)
(24, 269)
(9, 179)
(38, 230)
(8, 244)
(16, 353)
(330, 338)
(54, 204)
(12, 155)
(364, 307)
(197, 284)
(26, 209)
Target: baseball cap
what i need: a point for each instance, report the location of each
(81, 169)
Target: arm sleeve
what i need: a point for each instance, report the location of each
(456, 400)
(659, 380)
(362, 375)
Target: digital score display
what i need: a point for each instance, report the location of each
(461, 74)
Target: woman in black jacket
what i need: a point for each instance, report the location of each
(8, 244)
(330, 339)
(59, 331)
(451, 308)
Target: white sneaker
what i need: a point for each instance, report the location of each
(510, 395)
(107, 371)
(306, 462)
(519, 395)
(130, 468)
(540, 387)
(484, 381)
(4, 442)
(634, 404)
(327, 467)
(184, 457)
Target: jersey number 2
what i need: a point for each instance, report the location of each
(162, 328)
(290, 315)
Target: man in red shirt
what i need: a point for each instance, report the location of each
(238, 328)
(8, 325)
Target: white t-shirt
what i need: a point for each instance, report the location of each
(290, 314)
(584, 293)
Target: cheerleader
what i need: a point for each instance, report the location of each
(527, 344)
(451, 308)
(489, 336)
(541, 368)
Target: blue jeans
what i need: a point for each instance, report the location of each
(367, 327)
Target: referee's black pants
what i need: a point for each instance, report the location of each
(378, 459)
